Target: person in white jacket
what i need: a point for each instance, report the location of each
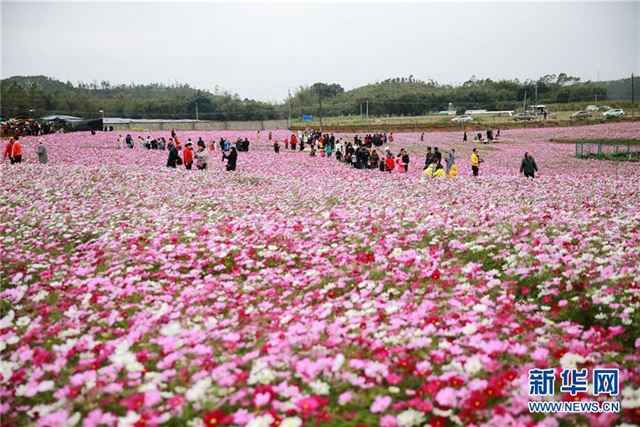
(43, 156)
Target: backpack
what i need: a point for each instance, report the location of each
(179, 161)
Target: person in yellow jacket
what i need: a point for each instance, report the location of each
(428, 172)
(453, 171)
(439, 173)
(475, 162)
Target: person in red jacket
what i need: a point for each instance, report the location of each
(16, 151)
(390, 163)
(187, 156)
(294, 141)
(8, 150)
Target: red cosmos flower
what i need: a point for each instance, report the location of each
(365, 257)
(74, 391)
(407, 364)
(41, 356)
(142, 356)
(477, 401)
(467, 416)
(491, 391)
(134, 402)
(323, 416)
(456, 382)
(510, 375)
(431, 388)
(438, 421)
(215, 418)
(436, 274)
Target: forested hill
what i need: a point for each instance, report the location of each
(394, 96)
(46, 96)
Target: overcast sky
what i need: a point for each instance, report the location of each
(262, 50)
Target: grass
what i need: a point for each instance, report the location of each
(605, 148)
(603, 141)
(435, 122)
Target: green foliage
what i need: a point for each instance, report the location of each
(48, 96)
(399, 96)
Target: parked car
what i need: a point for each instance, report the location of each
(462, 119)
(605, 108)
(592, 108)
(523, 117)
(614, 112)
(580, 115)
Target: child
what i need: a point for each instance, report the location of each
(390, 163)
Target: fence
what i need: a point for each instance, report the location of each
(197, 125)
(620, 152)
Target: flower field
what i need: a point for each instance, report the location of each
(300, 291)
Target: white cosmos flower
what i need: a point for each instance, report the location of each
(469, 329)
(261, 421)
(319, 387)
(410, 418)
(473, 365)
(571, 360)
(291, 422)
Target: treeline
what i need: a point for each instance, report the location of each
(38, 96)
(411, 97)
(45, 96)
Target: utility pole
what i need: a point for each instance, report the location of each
(633, 103)
(524, 102)
(361, 109)
(289, 119)
(320, 106)
(197, 117)
(367, 109)
(536, 93)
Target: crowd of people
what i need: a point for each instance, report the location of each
(361, 153)
(200, 157)
(491, 137)
(13, 151)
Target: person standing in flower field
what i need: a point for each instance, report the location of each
(43, 156)
(276, 147)
(428, 159)
(389, 163)
(437, 155)
(528, 166)
(187, 156)
(8, 150)
(450, 160)
(16, 151)
(400, 163)
(405, 159)
(174, 157)
(201, 157)
(232, 158)
(475, 162)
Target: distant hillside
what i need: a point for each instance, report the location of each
(46, 96)
(410, 97)
(401, 96)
